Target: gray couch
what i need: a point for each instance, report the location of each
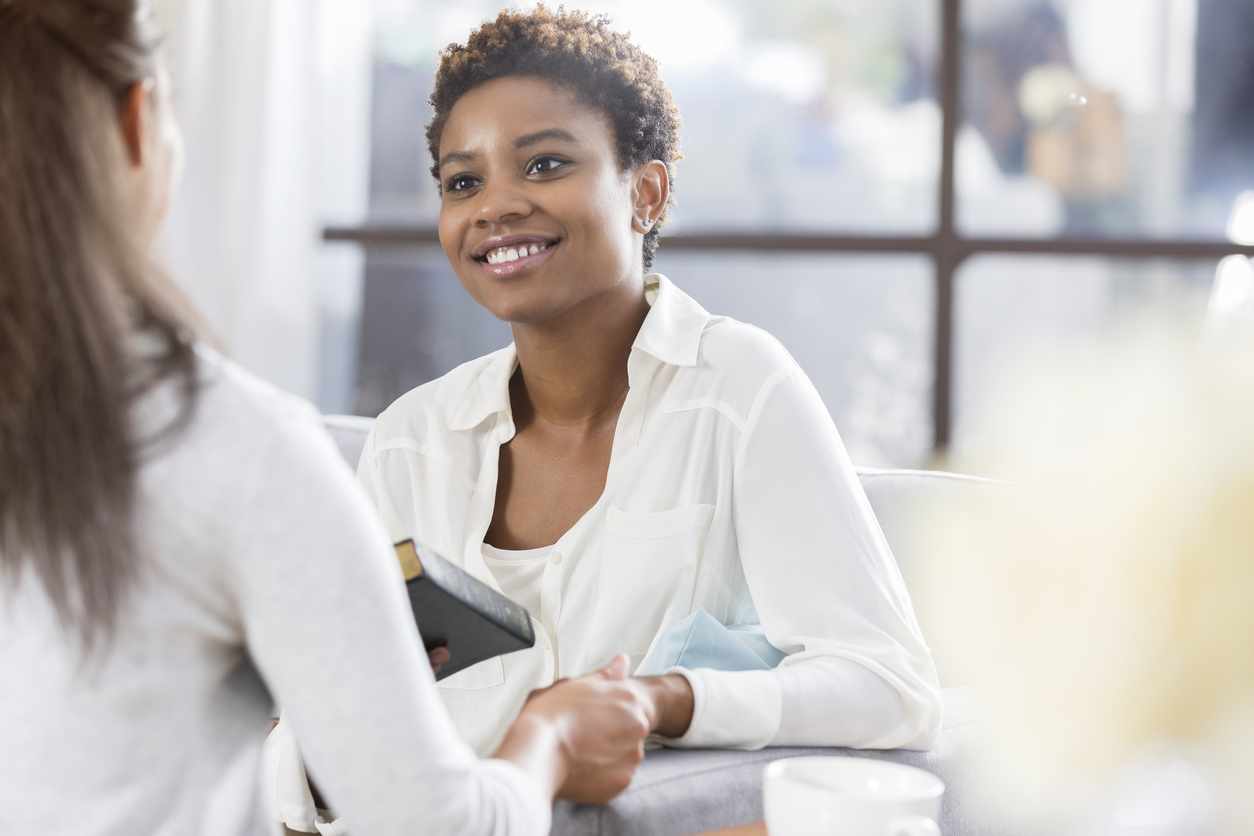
(682, 792)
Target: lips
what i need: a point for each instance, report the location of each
(512, 254)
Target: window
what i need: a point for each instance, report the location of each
(899, 190)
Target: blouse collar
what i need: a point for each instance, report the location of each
(671, 333)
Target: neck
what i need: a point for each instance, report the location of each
(573, 370)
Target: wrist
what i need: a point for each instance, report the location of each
(673, 704)
(534, 742)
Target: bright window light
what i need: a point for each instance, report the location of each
(676, 33)
(793, 70)
(1234, 287)
(1241, 221)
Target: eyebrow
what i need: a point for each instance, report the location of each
(456, 157)
(522, 142)
(541, 136)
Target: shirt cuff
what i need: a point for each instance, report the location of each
(533, 811)
(730, 709)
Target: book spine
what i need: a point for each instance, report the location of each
(477, 595)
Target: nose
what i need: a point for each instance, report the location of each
(501, 201)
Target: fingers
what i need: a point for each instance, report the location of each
(438, 657)
(617, 668)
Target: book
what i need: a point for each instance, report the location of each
(454, 610)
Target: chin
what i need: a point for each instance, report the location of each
(515, 304)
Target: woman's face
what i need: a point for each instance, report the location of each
(536, 217)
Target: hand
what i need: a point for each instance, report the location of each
(670, 701)
(595, 723)
(437, 657)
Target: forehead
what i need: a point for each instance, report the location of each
(494, 114)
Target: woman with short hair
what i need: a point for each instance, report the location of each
(631, 460)
(180, 543)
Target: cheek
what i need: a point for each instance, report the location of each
(607, 213)
(449, 228)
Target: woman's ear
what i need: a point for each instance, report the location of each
(652, 190)
(137, 121)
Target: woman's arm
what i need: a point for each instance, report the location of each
(328, 625)
(826, 587)
(672, 702)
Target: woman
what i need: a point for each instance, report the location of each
(178, 540)
(631, 460)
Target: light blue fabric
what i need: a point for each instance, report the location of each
(701, 641)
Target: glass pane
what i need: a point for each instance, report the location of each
(1007, 306)
(1113, 118)
(417, 323)
(859, 325)
(804, 115)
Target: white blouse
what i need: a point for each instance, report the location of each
(729, 489)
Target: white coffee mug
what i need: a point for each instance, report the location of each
(850, 797)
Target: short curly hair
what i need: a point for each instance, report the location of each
(582, 53)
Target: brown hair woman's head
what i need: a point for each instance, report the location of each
(88, 157)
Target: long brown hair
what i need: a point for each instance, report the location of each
(87, 324)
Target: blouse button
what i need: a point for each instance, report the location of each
(556, 558)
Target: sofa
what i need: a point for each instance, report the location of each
(679, 792)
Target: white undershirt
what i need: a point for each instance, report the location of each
(519, 573)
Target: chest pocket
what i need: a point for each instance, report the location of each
(648, 573)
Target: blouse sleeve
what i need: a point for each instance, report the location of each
(824, 581)
(323, 610)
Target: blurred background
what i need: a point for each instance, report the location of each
(1100, 166)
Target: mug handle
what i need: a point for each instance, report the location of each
(912, 826)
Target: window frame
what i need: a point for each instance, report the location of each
(946, 247)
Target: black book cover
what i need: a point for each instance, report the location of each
(454, 610)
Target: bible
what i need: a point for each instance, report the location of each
(454, 610)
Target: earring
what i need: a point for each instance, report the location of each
(646, 221)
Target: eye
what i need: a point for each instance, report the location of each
(461, 183)
(546, 164)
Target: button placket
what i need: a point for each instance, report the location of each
(551, 593)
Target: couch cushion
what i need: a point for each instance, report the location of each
(898, 498)
(349, 433)
(678, 792)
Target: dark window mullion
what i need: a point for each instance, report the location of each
(947, 254)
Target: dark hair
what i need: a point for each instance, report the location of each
(580, 52)
(87, 324)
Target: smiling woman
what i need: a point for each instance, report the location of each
(632, 466)
(631, 460)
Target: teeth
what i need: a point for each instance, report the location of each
(504, 254)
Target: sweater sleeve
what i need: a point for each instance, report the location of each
(826, 587)
(327, 623)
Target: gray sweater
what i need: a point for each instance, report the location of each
(267, 577)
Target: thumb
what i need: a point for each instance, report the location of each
(617, 668)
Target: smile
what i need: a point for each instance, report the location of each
(503, 254)
(511, 255)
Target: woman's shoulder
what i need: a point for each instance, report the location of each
(740, 356)
(245, 444)
(244, 404)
